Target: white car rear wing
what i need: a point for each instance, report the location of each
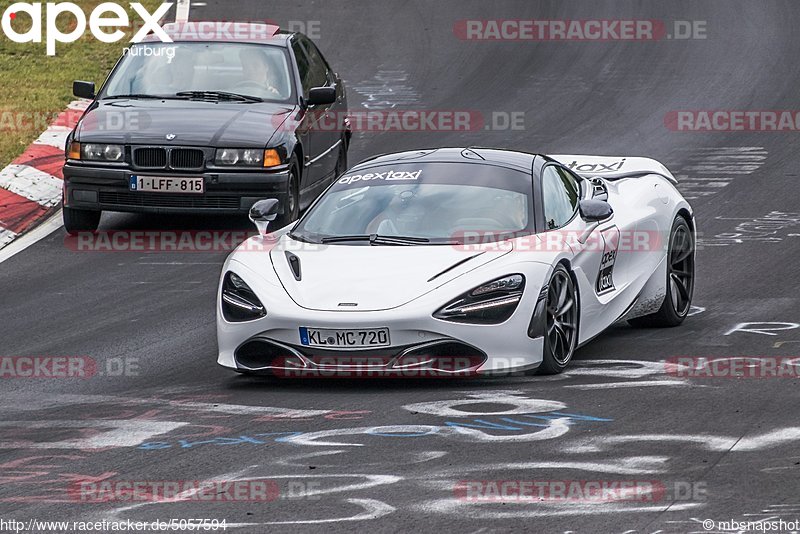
(613, 168)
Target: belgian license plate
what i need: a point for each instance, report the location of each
(166, 184)
(351, 339)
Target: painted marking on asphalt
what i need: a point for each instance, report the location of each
(632, 465)
(388, 89)
(191, 492)
(373, 509)
(182, 11)
(122, 433)
(706, 170)
(775, 438)
(519, 404)
(466, 509)
(36, 402)
(769, 228)
(643, 383)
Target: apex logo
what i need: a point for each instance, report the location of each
(103, 18)
(386, 175)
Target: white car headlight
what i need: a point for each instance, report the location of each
(491, 303)
(509, 283)
(239, 302)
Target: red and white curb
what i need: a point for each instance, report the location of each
(30, 187)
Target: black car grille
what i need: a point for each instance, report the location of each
(154, 158)
(168, 200)
(186, 158)
(178, 158)
(446, 356)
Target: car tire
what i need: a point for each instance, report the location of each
(561, 330)
(291, 211)
(76, 221)
(680, 280)
(341, 163)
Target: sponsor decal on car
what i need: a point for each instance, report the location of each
(605, 278)
(386, 176)
(596, 167)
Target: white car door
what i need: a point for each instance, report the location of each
(593, 248)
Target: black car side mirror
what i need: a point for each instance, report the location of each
(83, 89)
(264, 212)
(593, 210)
(321, 96)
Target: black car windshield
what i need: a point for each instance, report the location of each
(260, 72)
(430, 202)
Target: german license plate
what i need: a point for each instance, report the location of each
(351, 339)
(166, 184)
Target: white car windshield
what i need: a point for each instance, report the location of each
(174, 69)
(431, 202)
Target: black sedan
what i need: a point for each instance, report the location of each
(210, 123)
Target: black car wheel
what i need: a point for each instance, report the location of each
(341, 163)
(561, 334)
(680, 280)
(76, 221)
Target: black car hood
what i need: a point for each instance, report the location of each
(137, 122)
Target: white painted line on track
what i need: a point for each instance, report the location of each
(182, 11)
(31, 238)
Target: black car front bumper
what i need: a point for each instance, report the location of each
(107, 189)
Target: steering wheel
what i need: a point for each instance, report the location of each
(249, 84)
(257, 89)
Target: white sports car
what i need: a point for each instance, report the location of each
(458, 261)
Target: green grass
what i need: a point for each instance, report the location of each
(34, 87)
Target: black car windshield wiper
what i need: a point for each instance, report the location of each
(218, 95)
(376, 239)
(135, 96)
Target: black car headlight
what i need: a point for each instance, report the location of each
(247, 157)
(490, 303)
(239, 302)
(98, 152)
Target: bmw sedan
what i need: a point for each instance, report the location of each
(209, 123)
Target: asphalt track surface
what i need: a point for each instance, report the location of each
(736, 441)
